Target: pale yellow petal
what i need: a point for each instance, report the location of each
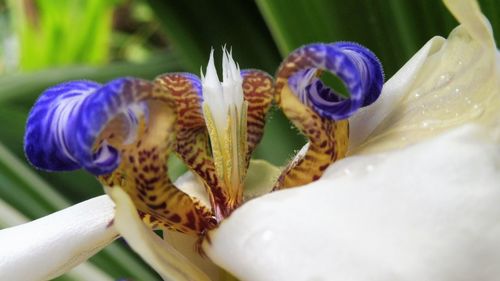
(395, 89)
(457, 83)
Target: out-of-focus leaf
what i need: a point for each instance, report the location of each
(193, 27)
(281, 140)
(27, 86)
(20, 186)
(393, 29)
(62, 32)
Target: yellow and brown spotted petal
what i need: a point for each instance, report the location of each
(319, 111)
(192, 141)
(158, 253)
(122, 132)
(258, 89)
(327, 142)
(143, 175)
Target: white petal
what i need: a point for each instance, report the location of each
(163, 257)
(422, 206)
(48, 247)
(427, 212)
(211, 79)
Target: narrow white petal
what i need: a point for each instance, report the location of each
(427, 212)
(50, 246)
(213, 95)
(162, 256)
(211, 78)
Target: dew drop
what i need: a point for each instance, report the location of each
(443, 80)
(477, 110)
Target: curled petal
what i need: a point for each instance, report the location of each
(191, 135)
(45, 143)
(357, 67)
(67, 119)
(121, 131)
(258, 89)
(316, 110)
(191, 140)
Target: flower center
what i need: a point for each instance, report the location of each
(225, 113)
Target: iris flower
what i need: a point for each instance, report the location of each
(413, 196)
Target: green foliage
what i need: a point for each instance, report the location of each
(62, 32)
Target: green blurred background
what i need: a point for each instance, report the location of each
(44, 42)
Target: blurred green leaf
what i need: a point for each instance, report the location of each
(196, 26)
(393, 29)
(281, 141)
(28, 86)
(63, 32)
(24, 189)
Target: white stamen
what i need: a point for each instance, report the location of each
(224, 102)
(221, 96)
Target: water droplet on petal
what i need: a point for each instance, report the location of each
(443, 80)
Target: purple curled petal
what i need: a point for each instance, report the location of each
(46, 137)
(370, 67)
(67, 119)
(357, 67)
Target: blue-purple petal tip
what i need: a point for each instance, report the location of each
(356, 66)
(68, 118)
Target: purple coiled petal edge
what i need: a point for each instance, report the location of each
(357, 67)
(66, 120)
